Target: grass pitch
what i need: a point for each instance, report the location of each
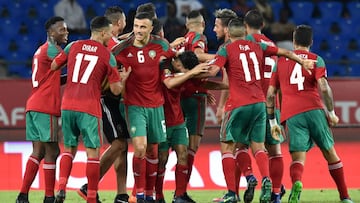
(200, 196)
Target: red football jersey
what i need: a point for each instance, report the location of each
(112, 42)
(88, 63)
(194, 40)
(143, 86)
(244, 60)
(45, 93)
(270, 61)
(299, 89)
(172, 107)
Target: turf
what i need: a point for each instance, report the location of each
(200, 196)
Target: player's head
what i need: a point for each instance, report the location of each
(57, 30)
(222, 18)
(147, 7)
(195, 19)
(118, 19)
(157, 28)
(236, 28)
(253, 20)
(185, 61)
(143, 25)
(100, 28)
(303, 36)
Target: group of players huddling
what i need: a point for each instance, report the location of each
(139, 86)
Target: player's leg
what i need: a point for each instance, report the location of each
(322, 136)
(257, 120)
(163, 158)
(71, 133)
(137, 122)
(194, 109)
(91, 130)
(276, 162)
(179, 141)
(52, 151)
(34, 128)
(299, 143)
(156, 135)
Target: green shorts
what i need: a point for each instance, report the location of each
(244, 124)
(41, 127)
(150, 122)
(268, 138)
(76, 123)
(175, 135)
(194, 109)
(308, 127)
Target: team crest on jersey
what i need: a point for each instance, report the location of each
(152, 54)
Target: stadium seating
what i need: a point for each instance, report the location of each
(301, 11)
(342, 39)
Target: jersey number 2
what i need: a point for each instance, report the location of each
(89, 68)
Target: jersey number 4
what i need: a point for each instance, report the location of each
(88, 70)
(296, 77)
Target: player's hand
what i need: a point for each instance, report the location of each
(308, 64)
(201, 68)
(219, 115)
(211, 100)
(124, 74)
(276, 132)
(333, 120)
(177, 42)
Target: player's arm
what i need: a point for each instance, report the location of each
(180, 79)
(223, 97)
(177, 42)
(60, 60)
(202, 56)
(328, 100)
(213, 85)
(306, 63)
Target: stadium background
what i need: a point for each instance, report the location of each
(342, 56)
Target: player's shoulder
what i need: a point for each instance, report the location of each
(157, 40)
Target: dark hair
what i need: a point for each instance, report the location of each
(99, 22)
(51, 21)
(188, 59)
(194, 14)
(254, 19)
(303, 35)
(112, 13)
(157, 26)
(144, 15)
(225, 15)
(147, 7)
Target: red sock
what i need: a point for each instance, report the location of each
(228, 163)
(262, 160)
(159, 184)
(133, 192)
(49, 173)
(93, 176)
(139, 169)
(32, 167)
(65, 169)
(191, 157)
(151, 174)
(237, 177)
(276, 165)
(296, 171)
(337, 173)
(243, 160)
(181, 172)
